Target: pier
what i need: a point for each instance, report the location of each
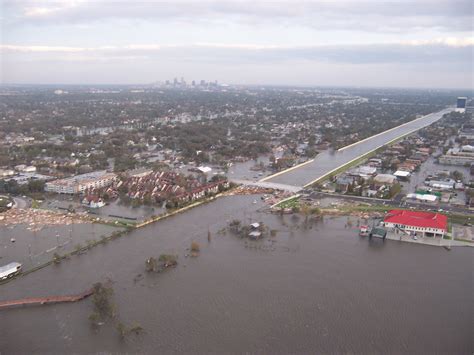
(37, 301)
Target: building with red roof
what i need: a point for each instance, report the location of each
(428, 224)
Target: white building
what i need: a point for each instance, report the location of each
(441, 185)
(456, 156)
(6, 172)
(402, 174)
(423, 197)
(364, 171)
(79, 183)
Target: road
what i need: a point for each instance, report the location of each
(20, 202)
(395, 203)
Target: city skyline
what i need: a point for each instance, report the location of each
(427, 44)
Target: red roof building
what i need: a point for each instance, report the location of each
(425, 223)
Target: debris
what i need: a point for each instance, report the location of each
(36, 219)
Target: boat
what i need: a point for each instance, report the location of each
(9, 270)
(364, 231)
(378, 232)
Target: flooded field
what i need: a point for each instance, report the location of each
(312, 287)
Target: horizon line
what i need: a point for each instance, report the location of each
(2, 84)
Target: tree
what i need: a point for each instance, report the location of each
(103, 306)
(195, 247)
(151, 264)
(56, 258)
(36, 185)
(457, 175)
(395, 190)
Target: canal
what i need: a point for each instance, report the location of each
(327, 161)
(314, 287)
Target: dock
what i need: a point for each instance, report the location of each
(37, 301)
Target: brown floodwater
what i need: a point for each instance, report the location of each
(312, 288)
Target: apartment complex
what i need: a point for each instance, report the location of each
(458, 156)
(80, 183)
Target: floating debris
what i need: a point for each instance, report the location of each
(36, 219)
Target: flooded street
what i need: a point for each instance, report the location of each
(311, 288)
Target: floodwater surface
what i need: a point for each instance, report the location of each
(314, 287)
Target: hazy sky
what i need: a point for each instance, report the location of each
(405, 43)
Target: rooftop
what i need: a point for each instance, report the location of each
(417, 219)
(85, 178)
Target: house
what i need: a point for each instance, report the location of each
(140, 172)
(402, 174)
(365, 171)
(6, 172)
(204, 169)
(375, 162)
(24, 168)
(342, 183)
(447, 184)
(384, 180)
(93, 201)
(428, 224)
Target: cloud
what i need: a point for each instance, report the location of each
(401, 15)
(442, 50)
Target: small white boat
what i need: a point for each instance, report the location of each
(364, 231)
(9, 270)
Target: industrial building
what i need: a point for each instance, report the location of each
(427, 224)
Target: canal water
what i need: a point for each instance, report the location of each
(314, 287)
(330, 160)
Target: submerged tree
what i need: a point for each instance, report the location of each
(151, 264)
(103, 305)
(123, 330)
(195, 247)
(56, 258)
